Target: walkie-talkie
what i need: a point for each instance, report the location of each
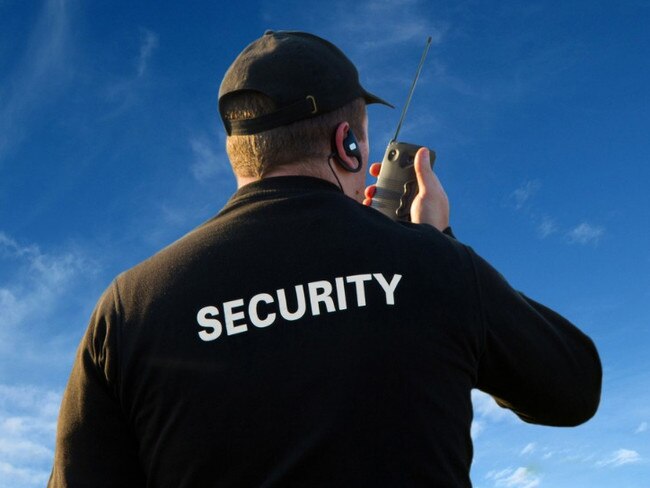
(397, 185)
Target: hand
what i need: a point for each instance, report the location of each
(430, 205)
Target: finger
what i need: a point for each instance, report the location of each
(370, 191)
(367, 202)
(374, 169)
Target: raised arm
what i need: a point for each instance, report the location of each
(534, 361)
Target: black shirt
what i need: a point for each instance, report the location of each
(301, 339)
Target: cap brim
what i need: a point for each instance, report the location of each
(370, 98)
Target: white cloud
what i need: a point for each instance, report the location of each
(44, 66)
(641, 428)
(15, 477)
(382, 5)
(515, 478)
(23, 449)
(124, 91)
(402, 13)
(40, 279)
(487, 409)
(41, 295)
(209, 159)
(585, 233)
(524, 193)
(43, 402)
(529, 449)
(12, 310)
(362, 24)
(620, 458)
(546, 227)
(147, 45)
(476, 429)
(27, 430)
(419, 29)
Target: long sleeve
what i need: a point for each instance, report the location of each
(534, 361)
(94, 445)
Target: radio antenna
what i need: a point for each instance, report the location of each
(415, 80)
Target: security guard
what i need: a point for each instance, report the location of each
(300, 338)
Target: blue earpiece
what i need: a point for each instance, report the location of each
(351, 148)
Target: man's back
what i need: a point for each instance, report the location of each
(302, 339)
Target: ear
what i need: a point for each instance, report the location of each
(345, 148)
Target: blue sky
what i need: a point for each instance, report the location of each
(111, 148)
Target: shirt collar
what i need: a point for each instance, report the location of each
(267, 187)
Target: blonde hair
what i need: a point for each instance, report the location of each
(257, 154)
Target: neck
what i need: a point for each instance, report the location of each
(350, 183)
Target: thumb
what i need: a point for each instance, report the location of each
(430, 205)
(423, 171)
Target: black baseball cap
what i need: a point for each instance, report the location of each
(303, 74)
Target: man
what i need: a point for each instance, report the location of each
(269, 348)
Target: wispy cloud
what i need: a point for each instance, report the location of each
(147, 45)
(521, 477)
(27, 429)
(123, 92)
(586, 233)
(37, 288)
(529, 449)
(620, 458)
(641, 428)
(210, 160)
(443, 76)
(33, 284)
(524, 193)
(44, 66)
(546, 227)
(521, 200)
(486, 411)
(402, 13)
(363, 24)
(45, 274)
(476, 429)
(22, 477)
